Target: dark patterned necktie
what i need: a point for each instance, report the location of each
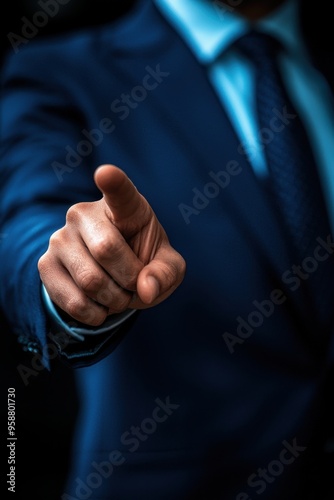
(293, 172)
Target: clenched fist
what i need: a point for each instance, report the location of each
(111, 255)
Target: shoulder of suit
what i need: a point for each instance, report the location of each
(142, 30)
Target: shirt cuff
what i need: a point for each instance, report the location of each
(79, 330)
(79, 345)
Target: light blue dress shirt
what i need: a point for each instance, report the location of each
(209, 28)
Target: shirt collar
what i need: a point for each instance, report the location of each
(209, 27)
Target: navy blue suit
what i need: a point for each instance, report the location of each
(229, 374)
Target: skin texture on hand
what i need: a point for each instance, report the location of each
(111, 255)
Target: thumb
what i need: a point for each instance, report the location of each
(161, 276)
(118, 191)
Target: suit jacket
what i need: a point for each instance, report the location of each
(218, 392)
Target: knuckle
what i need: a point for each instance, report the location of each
(72, 214)
(120, 303)
(76, 307)
(75, 212)
(103, 295)
(46, 264)
(175, 270)
(89, 282)
(114, 297)
(94, 316)
(85, 312)
(169, 273)
(106, 246)
(58, 242)
(182, 266)
(100, 248)
(130, 283)
(42, 264)
(56, 238)
(127, 277)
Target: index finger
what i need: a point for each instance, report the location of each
(120, 194)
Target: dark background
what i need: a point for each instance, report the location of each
(71, 16)
(46, 402)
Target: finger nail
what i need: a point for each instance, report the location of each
(154, 287)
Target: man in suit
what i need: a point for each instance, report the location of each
(210, 382)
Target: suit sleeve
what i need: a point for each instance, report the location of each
(41, 119)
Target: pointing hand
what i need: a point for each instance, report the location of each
(111, 255)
